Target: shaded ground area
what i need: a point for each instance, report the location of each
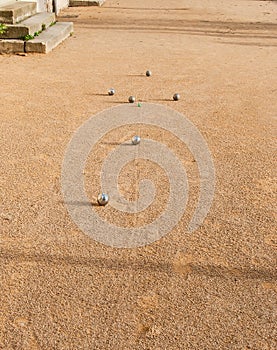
(212, 289)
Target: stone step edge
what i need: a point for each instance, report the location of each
(29, 26)
(11, 46)
(18, 11)
(50, 38)
(15, 46)
(76, 3)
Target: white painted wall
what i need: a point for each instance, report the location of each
(61, 4)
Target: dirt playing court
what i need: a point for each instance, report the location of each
(211, 289)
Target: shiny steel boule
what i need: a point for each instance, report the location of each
(111, 92)
(103, 199)
(176, 97)
(135, 140)
(148, 73)
(132, 99)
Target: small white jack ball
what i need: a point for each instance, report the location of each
(176, 97)
(111, 92)
(148, 73)
(132, 99)
(135, 140)
(103, 199)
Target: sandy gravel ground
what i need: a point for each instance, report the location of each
(212, 289)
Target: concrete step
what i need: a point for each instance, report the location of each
(50, 38)
(29, 26)
(11, 46)
(18, 11)
(74, 3)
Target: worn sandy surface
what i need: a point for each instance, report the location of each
(212, 289)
